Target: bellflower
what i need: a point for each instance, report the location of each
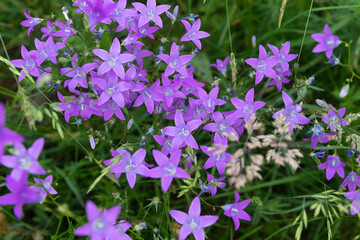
(173, 16)
(236, 212)
(48, 30)
(210, 100)
(182, 132)
(45, 185)
(29, 62)
(221, 66)
(65, 32)
(98, 11)
(283, 55)
(101, 226)
(192, 222)
(150, 12)
(318, 135)
(47, 50)
(110, 108)
(113, 60)
(355, 205)
(247, 108)
(263, 65)
(335, 117)
(281, 74)
(168, 168)
(332, 165)
(31, 22)
(20, 194)
(352, 180)
(25, 160)
(221, 125)
(122, 227)
(192, 17)
(194, 33)
(211, 179)
(120, 13)
(149, 96)
(171, 91)
(327, 42)
(291, 112)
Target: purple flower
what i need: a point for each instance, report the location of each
(150, 12)
(101, 226)
(327, 42)
(131, 165)
(221, 66)
(182, 132)
(168, 168)
(281, 74)
(175, 62)
(352, 180)
(171, 91)
(318, 134)
(97, 10)
(25, 160)
(332, 165)
(111, 107)
(65, 32)
(291, 112)
(283, 55)
(236, 212)
(20, 194)
(248, 107)
(113, 59)
(45, 187)
(335, 117)
(217, 155)
(211, 179)
(355, 205)
(210, 100)
(29, 62)
(173, 16)
(47, 50)
(120, 13)
(31, 22)
(48, 30)
(122, 227)
(221, 125)
(149, 96)
(192, 222)
(263, 65)
(7, 135)
(194, 33)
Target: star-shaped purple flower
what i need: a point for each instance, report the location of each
(171, 90)
(182, 132)
(150, 12)
(194, 33)
(352, 180)
(327, 42)
(335, 117)
(45, 187)
(333, 165)
(291, 112)
(65, 32)
(97, 10)
(281, 74)
(31, 22)
(221, 125)
(175, 62)
(210, 100)
(48, 30)
(318, 135)
(149, 96)
(221, 66)
(122, 227)
(355, 205)
(101, 226)
(283, 55)
(192, 222)
(236, 212)
(168, 168)
(29, 62)
(211, 179)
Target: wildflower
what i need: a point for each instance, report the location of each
(204, 188)
(175, 62)
(253, 41)
(7, 135)
(263, 65)
(97, 10)
(344, 91)
(29, 62)
(247, 108)
(355, 205)
(352, 180)
(48, 30)
(282, 73)
(20, 194)
(236, 212)
(65, 32)
(150, 12)
(221, 125)
(283, 55)
(326, 42)
(350, 152)
(122, 227)
(149, 96)
(318, 134)
(45, 187)
(220, 184)
(321, 103)
(168, 168)
(182, 132)
(25, 160)
(319, 154)
(335, 118)
(113, 60)
(333, 61)
(332, 165)
(171, 90)
(92, 142)
(291, 112)
(101, 225)
(192, 222)
(193, 33)
(209, 101)
(221, 66)
(191, 17)
(31, 22)
(173, 16)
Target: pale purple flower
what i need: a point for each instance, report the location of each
(326, 42)
(101, 226)
(48, 30)
(355, 205)
(110, 108)
(113, 59)
(98, 11)
(221, 125)
(283, 55)
(150, 12)
(335, 117)
(175, 62)
(173, 16)
(211, 179)
(45, 187)
(122, 227)
(29, 62)
(47, 50)
(171, 90)
(246, 109)
(352, 180)
(168, 168)
(333, 165)
(281, 74)
(192, 222)
(221, 66)
(138, 52)
(218, 155)
(236, 212)
(31, 22)
(115, 154)
(210, 100)
(25, 160)
(318, 135)
(120, 13)
(65, 32)
(263, 65)
(182, 132)
(149, 96)
(291, 112)
(194, 33)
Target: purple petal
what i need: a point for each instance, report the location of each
(195, 208)
(179, 216)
